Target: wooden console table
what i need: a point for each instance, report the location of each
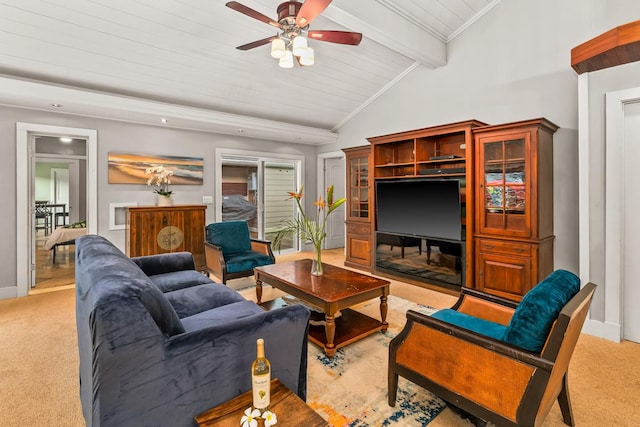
(336, 290)
(162, 229)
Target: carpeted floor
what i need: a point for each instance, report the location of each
(350, 389)
(39, 370)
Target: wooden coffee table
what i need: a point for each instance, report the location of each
(336, 290)
(288, 407)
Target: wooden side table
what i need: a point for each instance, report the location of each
(288, 407)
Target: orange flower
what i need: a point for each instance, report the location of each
(320, 203)
(294, 195)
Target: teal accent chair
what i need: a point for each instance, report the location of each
(231, 253)
(496, 359)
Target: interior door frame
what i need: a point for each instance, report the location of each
(260, 158)
(54, 180)
(25, 133)
(322, 158)
(615, 209)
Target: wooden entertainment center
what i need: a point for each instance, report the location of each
(506, 197)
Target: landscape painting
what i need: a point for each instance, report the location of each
(125, 168)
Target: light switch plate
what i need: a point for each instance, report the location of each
(207, 199)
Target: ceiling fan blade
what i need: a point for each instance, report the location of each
(238, 7)
(310, 11)
(256, 43)
(342, 37)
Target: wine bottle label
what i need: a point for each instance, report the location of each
(261, 391)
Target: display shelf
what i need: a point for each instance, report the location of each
(359, 202)
(514, 206)
(441, 161)
(437, 152)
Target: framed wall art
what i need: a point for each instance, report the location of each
(126, 168)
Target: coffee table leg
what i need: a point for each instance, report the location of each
(259, 290)
(383, 313)
(330, 332)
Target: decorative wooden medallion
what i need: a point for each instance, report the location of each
(170, 238)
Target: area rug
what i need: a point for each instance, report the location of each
(350, 389)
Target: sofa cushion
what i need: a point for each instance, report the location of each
(196, 299)
(243, 261)
(160, 309)
(232, 236)
(475, 324)
(168, 282)
(221, 315)
(165, 262)
(532, 320)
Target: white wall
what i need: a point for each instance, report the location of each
(512, 64)
(124, 137)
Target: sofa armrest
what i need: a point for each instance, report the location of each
(225, 352)
(263, 247)
(165, 263)
(214, 259)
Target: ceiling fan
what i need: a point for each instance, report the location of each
(293, 22)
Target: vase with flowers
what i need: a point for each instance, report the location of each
(312, 230)
(160, 178)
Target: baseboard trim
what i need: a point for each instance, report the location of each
(8, 292)
(606, 330)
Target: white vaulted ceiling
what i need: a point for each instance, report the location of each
(139, 60)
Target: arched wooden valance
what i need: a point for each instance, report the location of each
(618, 46)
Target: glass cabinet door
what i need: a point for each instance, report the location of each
(504, 184)
(359, 187)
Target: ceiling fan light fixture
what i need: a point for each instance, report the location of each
(287, 60)
(308, 57)
(300, 45)
(294, 18)
(277, 48)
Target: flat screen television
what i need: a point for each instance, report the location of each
(419, 207)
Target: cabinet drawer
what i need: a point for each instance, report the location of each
(511, 248)
(358, 228)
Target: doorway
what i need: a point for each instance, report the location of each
(56, 185)
(254, 187)
(621, 292)
(332, 171)
(26, 134)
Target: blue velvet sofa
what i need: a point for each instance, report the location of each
(154, 358)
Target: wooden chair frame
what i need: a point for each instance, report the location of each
(488, 378)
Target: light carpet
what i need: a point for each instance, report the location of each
(350, 389)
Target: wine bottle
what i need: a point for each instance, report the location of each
(261, 378)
